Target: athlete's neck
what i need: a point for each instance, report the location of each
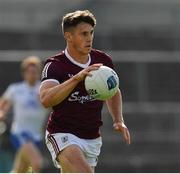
(78, 57)
(31, 83)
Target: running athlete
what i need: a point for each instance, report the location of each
(29, 116)
(73, 130)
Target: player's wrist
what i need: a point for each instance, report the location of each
(76, 78)
(118, 120)
(119, 124)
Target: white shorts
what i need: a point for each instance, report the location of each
(59, 141)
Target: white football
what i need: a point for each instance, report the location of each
(103, 84)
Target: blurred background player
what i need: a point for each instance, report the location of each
(73, 135)
(29, 116)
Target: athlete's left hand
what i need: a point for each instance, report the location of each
(121, 127)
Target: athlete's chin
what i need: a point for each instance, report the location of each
(87, 50)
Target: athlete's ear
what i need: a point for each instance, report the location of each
(68, 36)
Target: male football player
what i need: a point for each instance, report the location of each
(73, 132)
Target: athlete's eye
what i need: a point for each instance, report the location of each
(85, 33)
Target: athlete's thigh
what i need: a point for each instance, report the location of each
(72, 159)
(32, 152)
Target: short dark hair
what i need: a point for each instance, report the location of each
(73, 19)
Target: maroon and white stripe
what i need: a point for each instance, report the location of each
(45, 70)
(54, 143)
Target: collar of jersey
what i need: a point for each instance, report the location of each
(31, 87)
(77, 63)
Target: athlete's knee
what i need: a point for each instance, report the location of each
(37, 164)
(34, 156)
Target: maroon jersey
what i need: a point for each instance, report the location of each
(79, 113)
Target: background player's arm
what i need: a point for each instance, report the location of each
(52, 93)
(5, 105)
(115, 108)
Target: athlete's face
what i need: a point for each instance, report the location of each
(31, 74)
(81, 38)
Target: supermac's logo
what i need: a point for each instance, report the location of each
(75, 97)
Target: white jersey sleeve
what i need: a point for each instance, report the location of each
(9, 93)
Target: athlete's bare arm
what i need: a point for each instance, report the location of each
(115, 108)
(52, 93)
(4, 107)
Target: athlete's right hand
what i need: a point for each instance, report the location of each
(86, 72)
(2, 114)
